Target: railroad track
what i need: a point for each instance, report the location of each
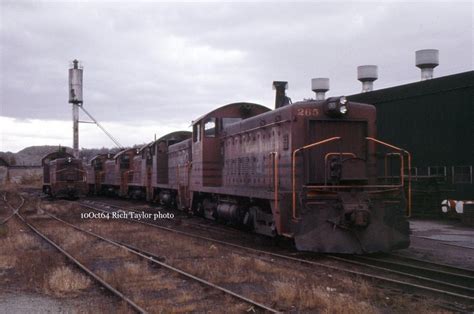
(453, 281)
(446, 243)
(86, 270)
(450, 283)
(15, 209)
(143, 254)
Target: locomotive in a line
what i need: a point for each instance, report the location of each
(63, 175)
(312, 171)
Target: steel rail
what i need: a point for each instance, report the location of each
(445, 243)
(462, 291)
(132, 304)
(155, 259)
(14, 210)
(296, 259)
(430, 269)
(450, 268)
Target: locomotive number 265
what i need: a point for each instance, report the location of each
(307, 112)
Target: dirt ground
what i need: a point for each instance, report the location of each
(34, 278)
(442, 241)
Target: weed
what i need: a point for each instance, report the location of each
(64, 281)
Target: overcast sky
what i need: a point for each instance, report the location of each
(152, 67)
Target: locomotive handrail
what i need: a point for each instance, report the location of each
(401, 150)
(275, 179)
(188, 166)
(326, 161)
(177, 175)
(293, 166)
(64, 169)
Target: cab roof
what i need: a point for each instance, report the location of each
(247, 110)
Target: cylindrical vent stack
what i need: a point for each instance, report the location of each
(320, 86)
(427, 60)
(367, 74)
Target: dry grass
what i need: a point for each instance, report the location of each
(307, 296)
(64, 281)
(11, 244)
(106, 250)
(9, 187)
(25, 241)
(59, 207)
(221, 266)
(137, 276)
(288, 287)
(359, 287)
(231, 269)
(7, 261)
(73, 240)
(3, 231)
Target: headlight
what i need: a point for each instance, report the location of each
(343, 109)
(336, 107)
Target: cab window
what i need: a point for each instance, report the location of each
(197, 132)
(210, 127)
(125, 162)
(227, 121)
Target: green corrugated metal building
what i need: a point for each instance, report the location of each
(434, 120)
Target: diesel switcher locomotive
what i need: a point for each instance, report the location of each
(63, 175)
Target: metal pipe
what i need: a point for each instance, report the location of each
(352, 186)
(75, 130)
(177, 176)
(409, 168)
(275, 180)
(409, 183)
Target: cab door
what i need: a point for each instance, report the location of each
(211, 153)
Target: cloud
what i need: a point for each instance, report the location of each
(20, 133)
(172, 62)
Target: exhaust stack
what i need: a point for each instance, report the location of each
(367, 74)
(320, 86)
(427, 60)
(280, 95)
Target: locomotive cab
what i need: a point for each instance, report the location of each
(207, 146)
(163, 169)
